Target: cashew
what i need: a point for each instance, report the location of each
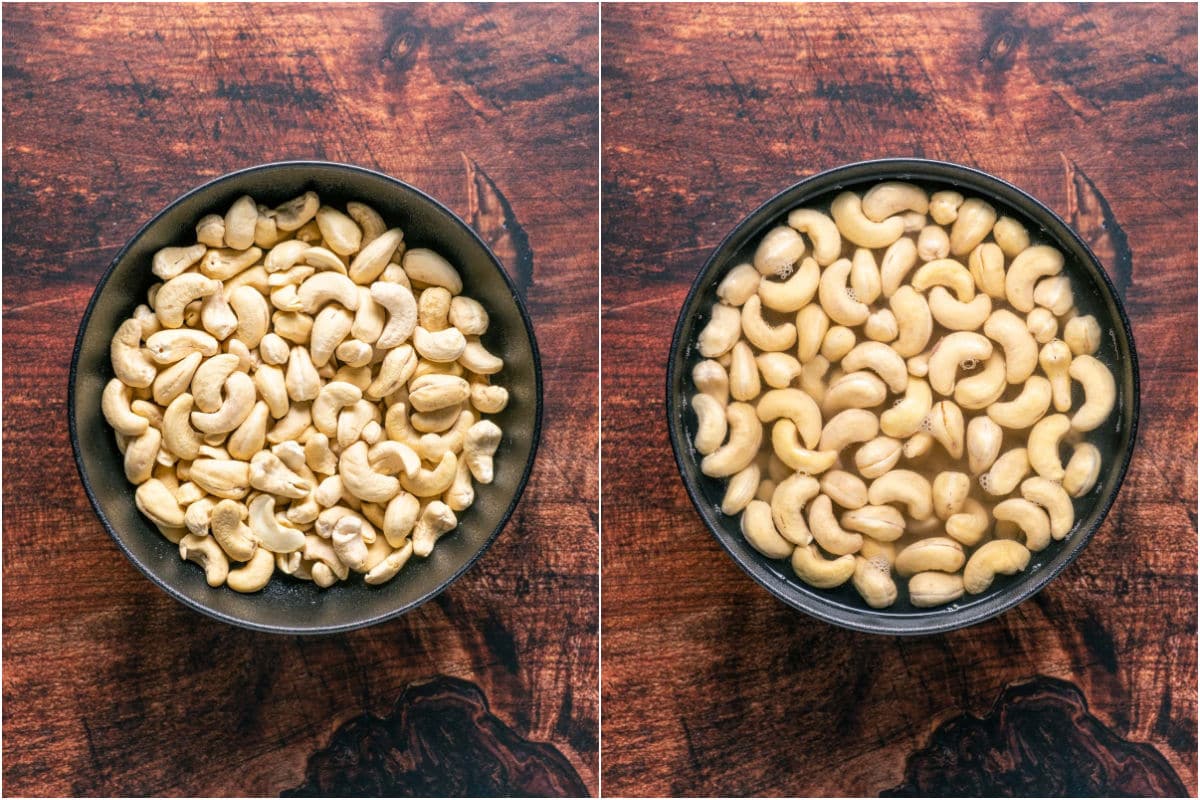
(854, 390)
(815, 570)
(223, 264)
(170, 346)
(179, 437)
(488, 399)
(270, 534)
(778, 370)
(797, 406)
(897, 261)
(1006, 472)
(851, 425)
(873, 582)
(710, 423)
(913, 320)
(945, 272)
(240, 396)
(1043, 445)
(970, 525)
(1027, 267)
(235, 538)
(327, 287)
(944, 205)
(880, 523)
(950, 353)
(835, 297)
(745, 436)
(778, 251)
(1082, 335)
(217, 316)
(251, 435)
(362, 481)
(738, 285)
(396, 368)
(812, 377)
(479, 447)
(865, 280)
(402, 317)
(811, 325)
(253, 576)
(906, 487)
(1100, 392)
(339, 231)
(387, 569)
(1054, 294)
(156, 501)
(986, 265)
(221, 477)
(115, 405)
(347, 542)
(949, 493)
(759, 332)
(272, 387)
(787, 507)
(240, 222)
(476, 358)
(253, 315)
(1010, 236)
(720, 334)
(826, 530)
(331, 399)
(1055, 360)
(1031, 519)
(973, 222)
(847, 213)
(172, 261)
(368, 220)
(297, 212)
(947, 428)
(881, 359)
(140, 455)
(400, 517)
(891, 197)
(845, 489)
(1020, 348)
(1083, 470)
(759, 530)
(936, 554)
(957, 316)
(205, 551)
(292, 326)
(1000, 557)
(177, 293)
(371, 261)
(428, 267)
(907, 415)
(822, 232)
(470, 317)
(984, 438)
(354, 420)
(435, 521)
(302, 380)
(985, 387)
(877, 457)
(785, 443)
(881, 326)
(1026, 409)
(928, 589)
(1051, 496)
(269, 474)
(933, 243)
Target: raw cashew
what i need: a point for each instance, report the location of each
(223, 263)
(1083, 470)
(157, 502)
(785, 442)
(430, 483)
(1027, 267)
(172, 261)
(115, 405)
(933, 243)
(435, 521)
(984, 438)
(1082, 335)
(217, 316)
(738, 286)
(854, 390)
(778, 370)
(270, 534)
(744, 384)
(745, 436)
(339, 231)
(897, 261)
(759, 332)
(778, 250)
(240, 221)
(973, 222)
(847, 213)
(928, 589)
(332, 398)
(1026, 409)
(479, 447)
(796, 405)
(759, 530)
(822, 232)
(947, 428)
(951, 352)
(441, 346)
(371, 261)
(985, 387)
(347, 542)
(957, 316)
(945, 272)
(944, 205)
(235, 538)
(1100, 392)
(1006, 472)
(949, 493)
(999, 557)
(1054, 294)
(970, 525)
(986, 265)
(815, 570)
(1020, 348)
(811, 325)
(396, 368)
(1031, 519)
(179, 437)
(140, 455)
(1043, 444)
(880, 523)
(877, 457)
(913, 319)
(327, 287)
(881, 359)
(851, 425)
(835, 297)
(812, 377)
(826, 530)
(330, 327)
(362, 481)
(873, 582)
(865, 280)
(297, 212)
(1051, 496)
(387, 569)
(1010, 236)
(845, 489)
(906, 487)
(178, 292)
(891, 197)
(428, 267)
(253, 315)
(935, 554)
(240, 396)
(402, 315)
(269, 474)
(205, 551)
(255, 575)
(794, 293)
(740, 490)
(169, 346)
(1055, 360)
(881, 326)
(476, 358)
(907, 415)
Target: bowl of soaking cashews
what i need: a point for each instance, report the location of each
(305, 398)
(903, 395)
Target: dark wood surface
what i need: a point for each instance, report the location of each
(110, 112)
(710, 686)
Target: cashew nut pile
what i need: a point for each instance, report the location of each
(302, 393)
(906, 369)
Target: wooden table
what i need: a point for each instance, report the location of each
(110, 112)
(710, 685)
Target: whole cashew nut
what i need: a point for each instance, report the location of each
(952, 351)
(792, 294)
(778, 250)
(1006, 472)
(822, 232)
(880, 523)
(985, 387)
(913, 320)
(1043, 444)
(908, 414)
(760, 333)
(371, 261)
(935, 554)
(847, 213)
(969, 526)
(999, 557)
(835, 297)
(796, 405)
(886, 199)
(973, 222)
(873, 581)
(255, 575)
(1026, 409)
(745, 436)
(851, 425)
(205, 551)
(787, 507)
(1039, 261)
(906, 487)
(1031, 519)
(738, 286)
(815, 570)
(877, 457)
(1100, 392)
(1051, 496)
(1020, 348)
(1083, 470)
(928, 589)
(897, 261)
(984, 438)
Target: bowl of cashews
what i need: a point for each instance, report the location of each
(305, 398)
(903, 395)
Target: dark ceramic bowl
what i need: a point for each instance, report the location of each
(1094, 295)
(289, 605)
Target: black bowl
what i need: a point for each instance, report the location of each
(289, 605)
(1094, 294)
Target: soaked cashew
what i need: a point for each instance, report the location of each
(738, 286)
(907, 415)
(1006, 472)
(796, 405)
(1031, 520)
(792, 293)
(935, 554)
(865, 280)
(1083, 470)
(984, 438)
(744, 381)
(835, 297)
(762, 334)
(1010, 235)
(1020, 348)
(1043, 444)
(933, 243)
(1082, 335)
(873, 581)
(853, 224)
(880, 523)
(815, 570)
(944, 205)
(1051, 496)
(759, 531)
(780, 248)
(897, 261)
(1055, 361)
(826, 530)
(969, 526)
(849, 426)
(1026, 409)
(812, 323)
(905, 487)
(999, 557)
(778, 370)
(892, 197)
(877, 457)
(1026, 269)
(947, 427)
(822, 232)
(1100, 392)
(950, 353)
(913, 320)
(974, 221)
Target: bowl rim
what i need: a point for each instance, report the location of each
(878, 622)
(76, 446)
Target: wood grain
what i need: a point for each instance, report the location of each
(110, 112)
(712, 687)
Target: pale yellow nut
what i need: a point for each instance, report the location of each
(1082, 335)
(224, 264)
(835, 297)
(905, 487)
(971, 525)
(1032, 520)
(759, 531)
(983, 387)
(435, 521)
(1026, 269)
(898, 260)
(889, 198)
(873, 581)
(1026, 408)
(815, 570)
(929, 589)
(787, 507)
(1010, 235)
(373, 259)
(913, 320)
(1083, 470)
(780, 248)
(935, 554)
(933, 243)
(986, 265)
(972, 223)
(1100, 392)
(204, 551)
(948, 273)
(847, 213)
(1006, 472)
(430, 268)
(879, 523)
(821, 231)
